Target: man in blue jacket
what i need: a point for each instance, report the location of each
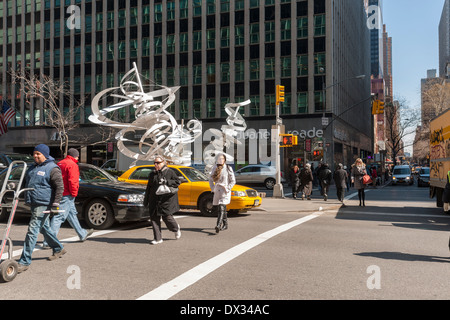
(46, 180)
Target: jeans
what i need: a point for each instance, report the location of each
(39, 222)
(70, 214)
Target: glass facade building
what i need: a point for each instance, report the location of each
(217, 51)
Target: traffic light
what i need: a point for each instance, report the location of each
(375, 107)
(380, 107)
(280, 94)
(288, 140)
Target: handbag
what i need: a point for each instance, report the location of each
(366, 179)
(165, 189)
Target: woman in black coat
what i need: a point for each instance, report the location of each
(165, 205)
(295, 181)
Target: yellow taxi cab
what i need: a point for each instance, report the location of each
(194, 191)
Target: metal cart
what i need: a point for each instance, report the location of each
(9, 267)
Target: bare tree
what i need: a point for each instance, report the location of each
(59, 105)
(401, 122)
(435, 100)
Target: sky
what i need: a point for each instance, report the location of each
(414, 28)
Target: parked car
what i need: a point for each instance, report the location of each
(101, 200)
(258, 174)
(402, 174)
(423, 178)
(194, 191)
(7, 158)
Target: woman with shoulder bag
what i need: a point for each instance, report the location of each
(221, 182)
(161, 198)
(358, 172)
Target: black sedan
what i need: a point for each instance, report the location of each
(101, 200)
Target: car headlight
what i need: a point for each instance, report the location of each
(407, 178)
(131, 198)
(394, 178)
(238, 193)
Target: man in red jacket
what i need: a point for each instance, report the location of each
(71, 176)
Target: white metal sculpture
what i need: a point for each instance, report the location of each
(161, 133)
(226, 138)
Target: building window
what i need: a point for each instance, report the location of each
(270, 104)
(170, 43)
(184, 109)
(183, 8)
(239, 70)
(285, 29)
(197, 42)
(184, 76)
(254, 69)
(158, 45)
(302, 102)
(146, 14)
(211, 73)
(184, 43)
(286, 67)
(110, 20)
(319, 63)
(302, 65)
(239, 36)
(254, 33)
(254, 106)
(210, 108)
(225, 72)
(318, 101)
(224, 5)
(197, 74)
(170, 10)
(210, 6)
(225, 37)
(302, 28)
(270, 31)
(210, 39)
(197, 8)
(158, 12)
(319, 25)
(270, 68)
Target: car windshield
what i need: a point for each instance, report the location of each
(92, 174)
(424, 171)
(194, 175)
(22, 157)
(401, 171)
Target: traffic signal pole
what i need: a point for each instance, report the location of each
(278, 191)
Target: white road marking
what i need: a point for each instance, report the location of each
(171, 288)
(72, 239)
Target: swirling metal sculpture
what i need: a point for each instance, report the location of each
(225, 138)
(162, 135)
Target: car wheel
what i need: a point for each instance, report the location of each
(205, 205)
(270, 183)
(98, 214)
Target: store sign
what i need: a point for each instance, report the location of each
(304, 134)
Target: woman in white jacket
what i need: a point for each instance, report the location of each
(221, 182)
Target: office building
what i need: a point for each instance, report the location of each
(216, 51)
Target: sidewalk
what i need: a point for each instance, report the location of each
(288, 204)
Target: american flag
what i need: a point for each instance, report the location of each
(6, 115)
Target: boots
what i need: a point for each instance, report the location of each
(222, 221)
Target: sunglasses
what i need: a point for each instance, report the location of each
(158, 162)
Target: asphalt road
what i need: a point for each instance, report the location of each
(394, 248)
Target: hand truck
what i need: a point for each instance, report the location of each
(9, 267)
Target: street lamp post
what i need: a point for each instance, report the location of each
(324, 118)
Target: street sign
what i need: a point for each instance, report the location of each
(324, 121)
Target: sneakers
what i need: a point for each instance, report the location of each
(156, 241)
(88, 234)
(57, 255)
(178, 233)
